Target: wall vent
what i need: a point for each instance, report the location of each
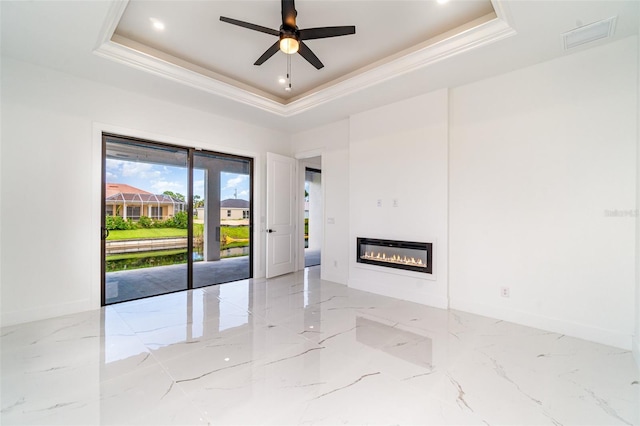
(589, 33)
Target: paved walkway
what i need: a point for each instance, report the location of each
(138, 283)
(145, 282)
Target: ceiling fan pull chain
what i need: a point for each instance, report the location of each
(289, 70)
(288, 88)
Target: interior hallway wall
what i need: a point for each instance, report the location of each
(332, 142)
(51, 166)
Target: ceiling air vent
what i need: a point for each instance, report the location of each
(588, 33)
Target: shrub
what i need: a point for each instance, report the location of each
(180, 220)
(145, 222)
(117, 223)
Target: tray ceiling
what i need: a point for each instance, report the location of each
(392, 37)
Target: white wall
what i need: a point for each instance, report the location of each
(537, 158)
(332, 143)
(50, 246)
(399, 152)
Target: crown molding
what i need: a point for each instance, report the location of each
(430, 52)
(203, 80)
(478, 33)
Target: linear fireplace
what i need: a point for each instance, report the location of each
(407, 255)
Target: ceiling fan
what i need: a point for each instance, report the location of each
(290, 37)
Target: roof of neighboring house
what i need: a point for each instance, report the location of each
(144, 198)
(234, 203)
(123, 192)
(114, 188)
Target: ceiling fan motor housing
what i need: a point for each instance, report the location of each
(288, 32)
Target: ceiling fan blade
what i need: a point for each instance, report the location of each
(250, 26)
(289, 13)
(325, 32)
(311, 57)
(269, 53)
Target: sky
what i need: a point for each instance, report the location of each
(159, 178)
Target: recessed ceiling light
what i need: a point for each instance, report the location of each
(443, 1)
(282, 80)
(157, 24)
(288, 89)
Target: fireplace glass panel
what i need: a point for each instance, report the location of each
(408, 255)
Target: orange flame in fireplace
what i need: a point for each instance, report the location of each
(403, 260)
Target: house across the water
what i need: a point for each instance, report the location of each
(130, 202)
(234, 208)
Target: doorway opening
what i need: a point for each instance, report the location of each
(312, 216)
(165, 221)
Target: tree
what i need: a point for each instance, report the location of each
(197, 202)
(176, 195)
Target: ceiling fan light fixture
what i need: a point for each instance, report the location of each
(289, 45)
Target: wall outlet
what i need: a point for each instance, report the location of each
(379, 203)
(395, 202)
(504, 291)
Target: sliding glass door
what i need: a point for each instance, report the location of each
(173, 219)
(222, 226)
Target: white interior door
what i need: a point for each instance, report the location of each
(281, 214)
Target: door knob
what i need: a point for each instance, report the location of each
(269, 231)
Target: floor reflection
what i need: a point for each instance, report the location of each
(395, 341)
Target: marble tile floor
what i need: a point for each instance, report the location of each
(298, 350)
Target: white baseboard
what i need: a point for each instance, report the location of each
(556, 325)
(45, 312)
(328, 274)
(403, 293)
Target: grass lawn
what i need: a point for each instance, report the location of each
(235, 232)
(144, 233)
